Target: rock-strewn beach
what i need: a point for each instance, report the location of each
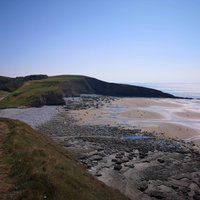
(175, 118)
(140, 164)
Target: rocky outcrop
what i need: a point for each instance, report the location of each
(123, 90)
(88, 85)
(49, 98)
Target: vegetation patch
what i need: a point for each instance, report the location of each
(42, 170)
(47, 91)
(3, 93)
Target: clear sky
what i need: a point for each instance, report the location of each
(114, 40)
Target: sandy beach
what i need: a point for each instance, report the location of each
(174, 118)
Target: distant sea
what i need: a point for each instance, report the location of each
(190, 90)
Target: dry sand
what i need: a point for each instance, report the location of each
(177, 118)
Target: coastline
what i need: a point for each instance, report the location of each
(174, 118)
(144, 167)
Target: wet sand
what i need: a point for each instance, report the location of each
(174, 118)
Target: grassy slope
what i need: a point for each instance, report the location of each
(39, 168)
(32, 91)
(50, 91)
(3, 93)
(11, 84)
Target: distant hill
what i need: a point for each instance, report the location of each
(34, 167)
(51, 90)
(11, 84)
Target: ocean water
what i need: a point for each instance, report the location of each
(190, 90)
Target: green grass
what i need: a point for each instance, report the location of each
(3, 93)
(31, 92)
(40, 168)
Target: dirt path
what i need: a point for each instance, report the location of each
(5, 185)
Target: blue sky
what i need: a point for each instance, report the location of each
(114, 40)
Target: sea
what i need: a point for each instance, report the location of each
(189, 90)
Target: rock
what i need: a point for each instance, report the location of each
(119, 156)
(100, 149)
(157, 189)
(124, 160)
(196, 197)
(194, 187)
(143, 186)
(96, 157)
(129, 165)
(181, 176)
(178, 183)
(114, 160)
(142, 155)
(157, 194)
(130, 157)
(160, 160)
(166, 189)
(117, 167)
(119, 161)
(98, 174)
(191, 194)
(196, 150)
(88, 165)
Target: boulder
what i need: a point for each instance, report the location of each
(129, 165)
(117, 167)
(160, 160)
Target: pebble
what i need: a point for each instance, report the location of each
(117, 167)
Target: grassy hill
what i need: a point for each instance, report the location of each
(11, 84)
(39, 169)
(51, 90)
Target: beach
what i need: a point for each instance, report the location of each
(174, 118)
(104, 136)
(146, 148)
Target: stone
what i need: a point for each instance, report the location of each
(124, 160)
(178, 183)
(98, 174)
(119, 156)
(129, 165)
(119, 161)
(194, 187)
(114, 160)
(196, 197)
(157, 194)
(166, 189)
(191, 194)
(117, 167)
(143, 186)
(96, 157)
(160, 160)
(130, 157)
(142, 155)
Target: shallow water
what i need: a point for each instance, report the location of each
(137, 137)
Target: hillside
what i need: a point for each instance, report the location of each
(51, 90)
(33, 167)
(11, 84)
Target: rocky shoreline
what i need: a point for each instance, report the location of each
(143, 167)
